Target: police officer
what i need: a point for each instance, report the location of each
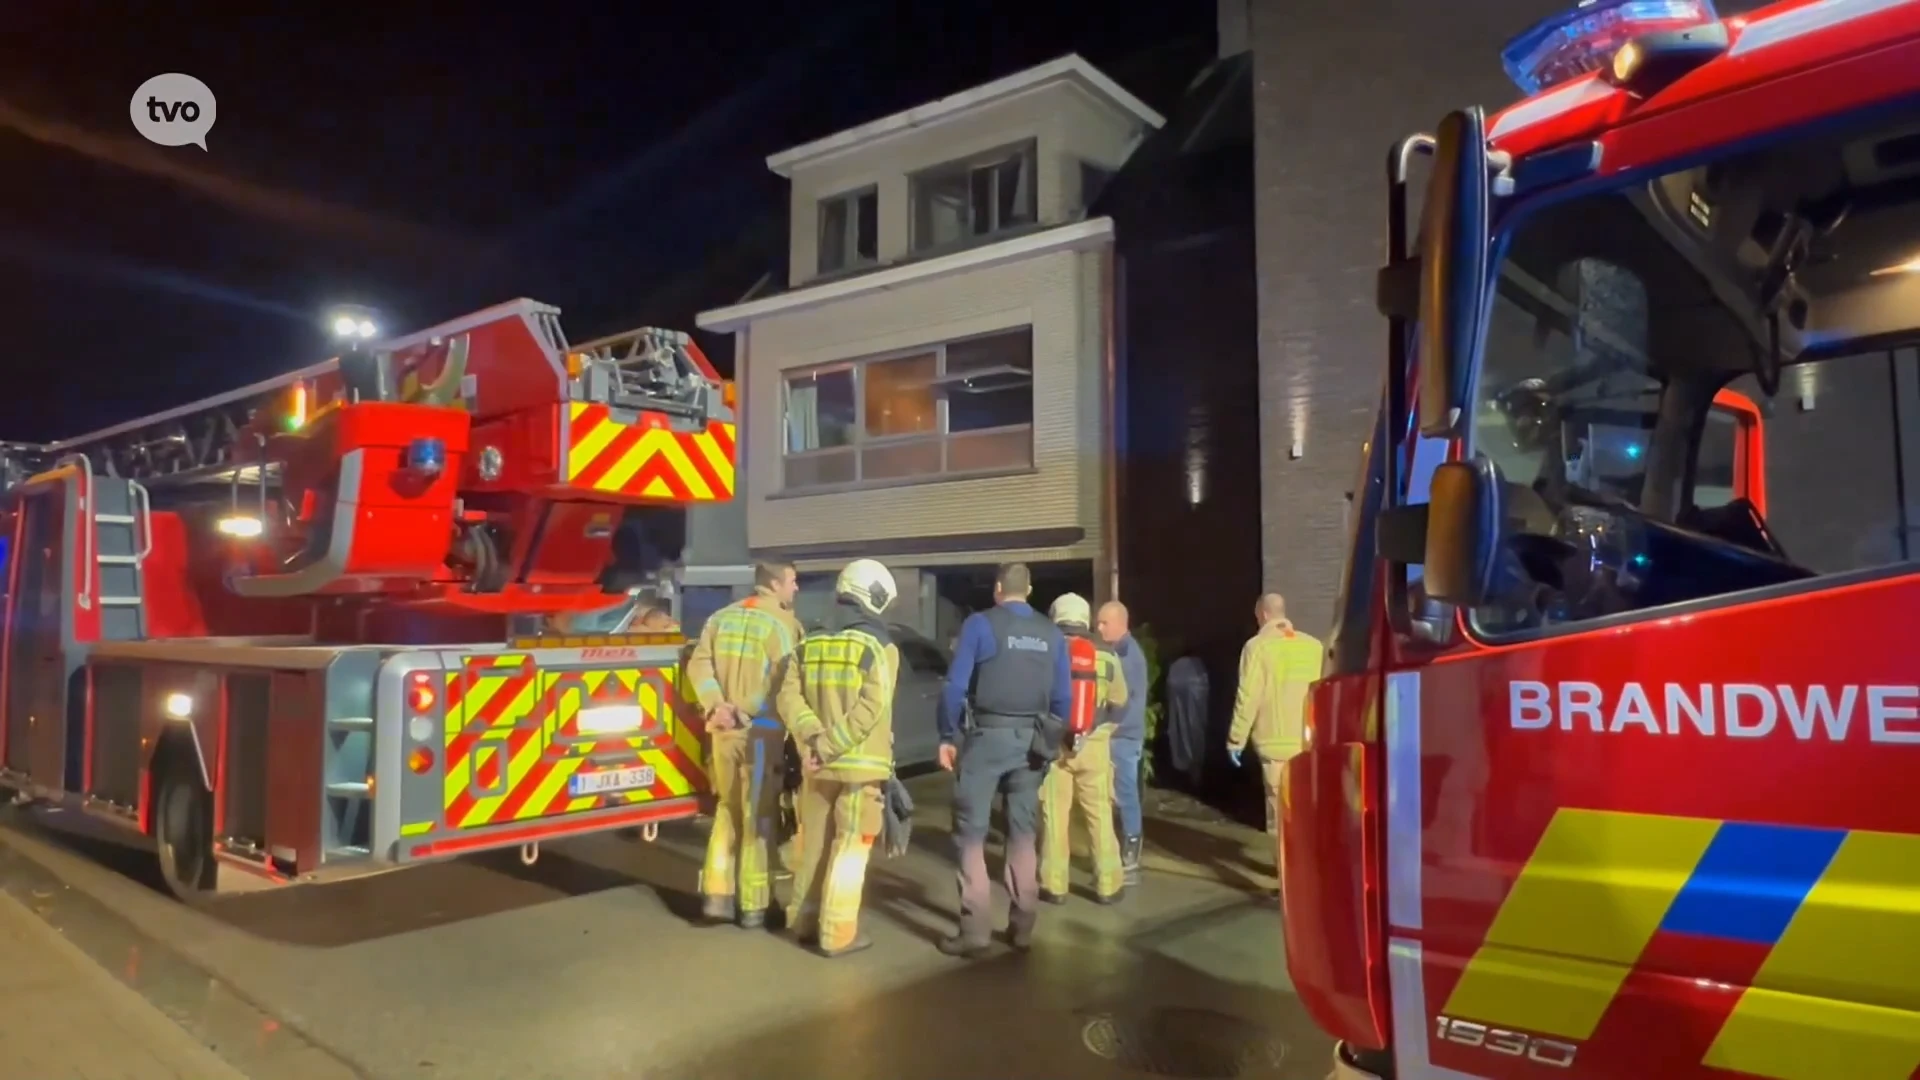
(1082, 780)
(836, 698)
(731, 673)
(1276, 667)
(1002, 719)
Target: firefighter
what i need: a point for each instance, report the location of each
(1001, 723)
(1082, 780)
(836, 698)
(732, 672)
(1276, 667)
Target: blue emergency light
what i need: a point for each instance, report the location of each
(1573, 43)
(427, 456)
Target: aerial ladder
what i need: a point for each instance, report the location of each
(303, 628)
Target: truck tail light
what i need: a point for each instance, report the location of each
(420, 695)
(420, 761)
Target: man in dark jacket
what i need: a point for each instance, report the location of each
(1129, 733)
(1002, 719)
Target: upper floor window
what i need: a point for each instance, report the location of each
(965, 407)
(849, 230)
(1093, 181)
(963, 201)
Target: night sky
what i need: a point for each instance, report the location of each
(606, 162)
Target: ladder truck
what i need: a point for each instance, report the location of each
(305, 629)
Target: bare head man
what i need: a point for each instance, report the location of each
(1111, 624)
(780, 580)
(1012, 582)
(1270, 608)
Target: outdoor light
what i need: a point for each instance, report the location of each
(179, 706)
(354, 324)
(240, 527)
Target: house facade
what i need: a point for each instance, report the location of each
(934, 387)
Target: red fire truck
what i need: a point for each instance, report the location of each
(302, 629)
(1610, 771)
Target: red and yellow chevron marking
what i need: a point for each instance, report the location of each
(513, 740)
(646, 458)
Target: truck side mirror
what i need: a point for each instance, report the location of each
(1465, 515)
(1453, 268)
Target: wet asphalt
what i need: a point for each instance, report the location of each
(588, 964)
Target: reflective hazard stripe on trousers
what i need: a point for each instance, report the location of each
(839, 822)
(1080, 786)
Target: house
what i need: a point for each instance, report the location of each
(935, 386)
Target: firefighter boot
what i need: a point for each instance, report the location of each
(859, 943)
(1130, 860)
(715, 910)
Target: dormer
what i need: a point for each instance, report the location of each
(1014, 155)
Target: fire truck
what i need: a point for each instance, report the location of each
(305, 628)
(1610, 769)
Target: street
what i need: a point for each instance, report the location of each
(585, 964)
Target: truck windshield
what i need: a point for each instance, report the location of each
(1617, 317)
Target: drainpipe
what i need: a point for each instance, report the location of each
(1108, 586)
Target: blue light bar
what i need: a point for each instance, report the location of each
(1571, 44)
(427, 456)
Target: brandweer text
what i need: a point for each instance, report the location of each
(1891, 714)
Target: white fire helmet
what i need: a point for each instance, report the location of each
(868, 584)
(1071, 609)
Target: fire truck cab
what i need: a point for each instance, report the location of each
(1609, 773)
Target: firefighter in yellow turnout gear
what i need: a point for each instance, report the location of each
(732, 674)
(1080, 783)
(836, 698)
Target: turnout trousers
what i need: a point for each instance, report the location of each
(1080, 787)
(839, 822)
(997, 761)
(747, 769)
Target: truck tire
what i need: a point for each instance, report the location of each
(183, 826)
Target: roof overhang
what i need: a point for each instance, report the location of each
(1079, 236)
(1069, 70)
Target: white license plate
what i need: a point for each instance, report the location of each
(598, 783)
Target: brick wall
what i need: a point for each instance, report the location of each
(1332, 92)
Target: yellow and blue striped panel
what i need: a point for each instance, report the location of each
(1837, 995)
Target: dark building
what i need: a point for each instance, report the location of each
(1332, 93)
(1188, 437)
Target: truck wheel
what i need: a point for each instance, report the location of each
(183, 830)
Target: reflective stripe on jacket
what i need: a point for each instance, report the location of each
(1276, 667)
(739, 654)
(836, 697)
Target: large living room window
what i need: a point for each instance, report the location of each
(952, 410)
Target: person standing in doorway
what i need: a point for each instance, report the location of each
(1002, 720)
(732, 672)
(1129, 732)
(1276, 667)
